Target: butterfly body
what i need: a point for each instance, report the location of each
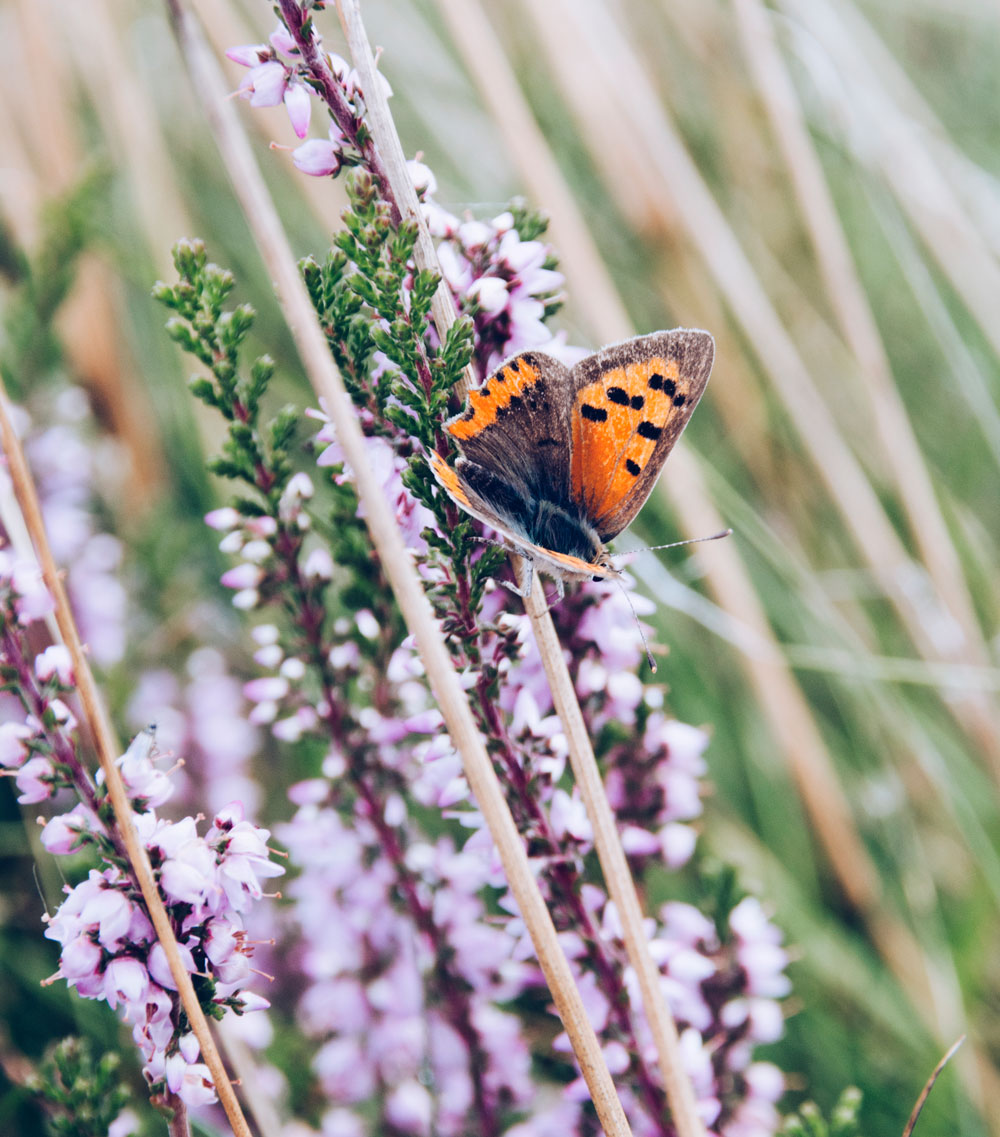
(559, 460)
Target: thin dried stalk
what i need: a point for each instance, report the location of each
(908, 165)
(397, 563)
(680, 1092)
(108, 750)
(925, 1092)
(856, 320)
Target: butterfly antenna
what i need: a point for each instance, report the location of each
(690, 541)
(642, 635)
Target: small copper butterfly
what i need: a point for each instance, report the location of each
(559, 460)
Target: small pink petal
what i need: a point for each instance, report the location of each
(269, 80)
(248, 55)
(317, 157)
(299, 106)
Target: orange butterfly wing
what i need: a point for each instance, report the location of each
(632, 402)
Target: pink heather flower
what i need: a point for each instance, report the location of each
(125, 1124)
(318, 565)
(267, 688)
(36, 781)
(192, 1083)
(223, 519)
(63, 834)
(568, 817)
(244, 576)
(249, 55)
(125, 981)
(490, 294)
(263, 526)
(320, 157)
(111, 911)
(410, 1107)
(144, 782)
(266, 84)
(54, 661)
(298, 103)
(256, 551)
(282, 40)
(422, 177)
(159, 969)
(13, 750)
(32, 600)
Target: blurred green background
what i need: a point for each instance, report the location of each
(815, 182)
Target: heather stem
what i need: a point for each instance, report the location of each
(178, 1126)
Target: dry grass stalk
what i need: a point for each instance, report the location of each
(397, 563)
(857, 322)
(106, 745)
(896, 145)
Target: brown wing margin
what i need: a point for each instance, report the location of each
(632, 403)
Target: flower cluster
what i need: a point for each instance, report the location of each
(444, 1052)
(278, 75)
(109, 949)
(504, 280)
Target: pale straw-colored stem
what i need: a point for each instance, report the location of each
(894, 143)
(680, 1093)
(108, 751)
(397, 563)
(856, 320)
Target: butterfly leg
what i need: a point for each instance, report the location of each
(529, 574)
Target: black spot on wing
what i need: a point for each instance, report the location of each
(617, 395)
(594, 414)
(680, 400)
(670, 387)
(633, 467)
(514, 405)
(648, 430)
(655, 381)
(637, 402)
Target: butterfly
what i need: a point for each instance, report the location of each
(558, 460)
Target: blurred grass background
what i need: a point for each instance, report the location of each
(815, 182)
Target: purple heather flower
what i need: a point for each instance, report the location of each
(320, 157)
(13, 750)
(36, 780)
